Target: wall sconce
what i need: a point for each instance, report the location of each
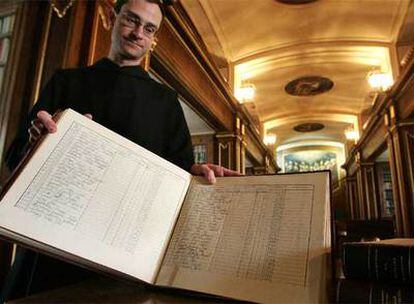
(351, 134)
(269, 139)
(245, 93)
(380, 81)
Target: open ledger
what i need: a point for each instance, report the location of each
(94, 198)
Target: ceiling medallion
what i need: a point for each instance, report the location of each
(309, 86)
(295, 2)
(308, 127)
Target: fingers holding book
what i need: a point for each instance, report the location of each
(211, 171)
(44, 123)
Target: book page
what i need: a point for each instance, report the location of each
(98, 196)
(252, 238)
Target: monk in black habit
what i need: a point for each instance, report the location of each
(117, 93)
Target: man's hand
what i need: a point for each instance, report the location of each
(210, 171)
(43, 123)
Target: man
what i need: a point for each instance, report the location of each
(120, 95)
(102, 87)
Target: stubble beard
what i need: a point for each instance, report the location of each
(128, 50)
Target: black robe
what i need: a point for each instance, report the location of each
(123, 99)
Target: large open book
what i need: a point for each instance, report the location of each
(94, 198)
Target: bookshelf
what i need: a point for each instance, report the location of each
(385, 190)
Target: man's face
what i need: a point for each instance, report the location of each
(134, 29)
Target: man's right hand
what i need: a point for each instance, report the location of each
(43, 124)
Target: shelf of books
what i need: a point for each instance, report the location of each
(385, 189)
(6, 30)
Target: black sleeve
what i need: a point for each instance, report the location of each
(180, 149)
(49, 100)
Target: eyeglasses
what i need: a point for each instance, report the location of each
(134, 22)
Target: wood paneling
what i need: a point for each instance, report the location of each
(352, 197)
(227, 152)
(401, 163)
(408, 133)
(56, 45)
(395, 189)
(371, 191)
(76, 53)
(341, 208)
(405, 102)
(351, 164)
(376, 140)
(208, 142)
(399, 190)
(253, 149)
(100, 40)
(179, 67)
(360, 183)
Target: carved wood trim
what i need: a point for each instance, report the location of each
(174, 62)
(180, 20)
(100, 40)
(407, 58)
(61, 11)
(222, 148)
(400, 87)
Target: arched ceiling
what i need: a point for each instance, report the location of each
(268, 44)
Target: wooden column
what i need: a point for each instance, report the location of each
(243, 145)
(362, 214)
(367, 190)
(401, 146)
(352, 197)
(231, 148)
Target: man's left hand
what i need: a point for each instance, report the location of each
(210, 171)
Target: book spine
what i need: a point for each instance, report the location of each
(378, 262)
(356, 291)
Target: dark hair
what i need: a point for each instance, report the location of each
(120, 3)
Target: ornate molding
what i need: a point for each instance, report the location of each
(104, 18)
(105, 10)
(408, 57)
(61, 12)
